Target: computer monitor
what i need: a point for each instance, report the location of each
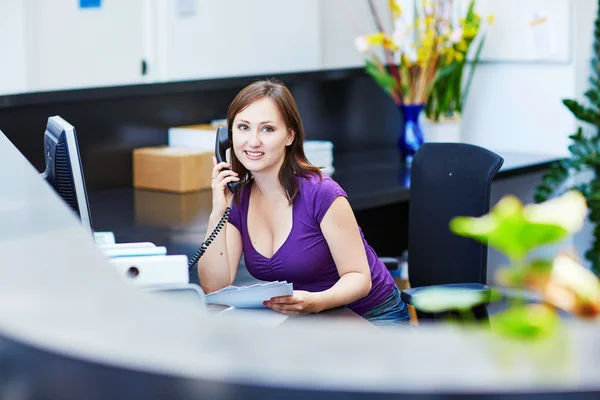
(63, 167)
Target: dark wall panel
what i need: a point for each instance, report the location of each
(343, 106)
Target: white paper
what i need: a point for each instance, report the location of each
(542, 31)
(250, 296)
(104, 237)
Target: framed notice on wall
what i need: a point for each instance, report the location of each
(526, 30)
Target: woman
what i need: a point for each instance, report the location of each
(291, 223)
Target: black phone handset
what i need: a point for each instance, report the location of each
(221, 146)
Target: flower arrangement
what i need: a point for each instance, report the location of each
(413, 52)
(424, 56)
(449, 92)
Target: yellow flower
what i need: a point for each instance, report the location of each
(470, 31)
(459, 57)
(490, 19)
(448, 56)
(462, 46)
(380, 39)
(376, 39)
(389, 43)
(427, 41)
(395, 8)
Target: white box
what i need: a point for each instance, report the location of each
(153, 270)
(201, 137)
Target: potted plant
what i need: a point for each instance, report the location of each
(446, 102)
(585, 156)
(561, 281)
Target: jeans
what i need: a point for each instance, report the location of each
(392, 311)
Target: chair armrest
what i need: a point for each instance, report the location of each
(392, 264)
(409, 295)
(511, 293)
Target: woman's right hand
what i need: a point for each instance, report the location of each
(221, 176)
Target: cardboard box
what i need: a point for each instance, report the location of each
(172, 210)
(172, 169)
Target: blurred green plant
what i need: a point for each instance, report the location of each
(585, 155)
(562, 282)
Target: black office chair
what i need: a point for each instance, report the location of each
(448, 180)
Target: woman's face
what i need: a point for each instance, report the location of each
(260, 137)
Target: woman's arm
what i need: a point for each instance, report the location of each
(219, 264)
(341, 232)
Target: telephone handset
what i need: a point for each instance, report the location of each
(221, 145)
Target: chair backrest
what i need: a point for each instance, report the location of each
(448, 180)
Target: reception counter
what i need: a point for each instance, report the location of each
(71, 328)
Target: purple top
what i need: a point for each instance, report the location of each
(304, 259)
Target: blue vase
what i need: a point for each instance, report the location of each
(411, 134)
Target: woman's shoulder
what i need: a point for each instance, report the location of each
(315, 185)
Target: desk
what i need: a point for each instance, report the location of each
(378, 191)
(338, 316)
(71, 328)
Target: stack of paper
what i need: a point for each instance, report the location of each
(132, 249)
(104, 238)
(250, 296)
(200, 136)
(320, 154)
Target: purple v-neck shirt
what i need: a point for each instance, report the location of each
(304, 259)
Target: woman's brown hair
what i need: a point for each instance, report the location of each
(295, 162)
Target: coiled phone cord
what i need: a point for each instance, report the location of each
(209, 240)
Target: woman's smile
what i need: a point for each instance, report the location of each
(253, 155)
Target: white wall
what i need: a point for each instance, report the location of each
(12, 47)
(513, 106)
(237, 37)
(518, 106)
(340, 22)
(515, 102)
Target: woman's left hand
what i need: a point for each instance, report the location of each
(300, 302)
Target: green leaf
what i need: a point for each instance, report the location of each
(515, 230)
(472, 71)
(439, 299)
(526, 322)
(593, 96)
(446, 71)
(507, 230)
(383, 78)
(582, 113)
(471, 11)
